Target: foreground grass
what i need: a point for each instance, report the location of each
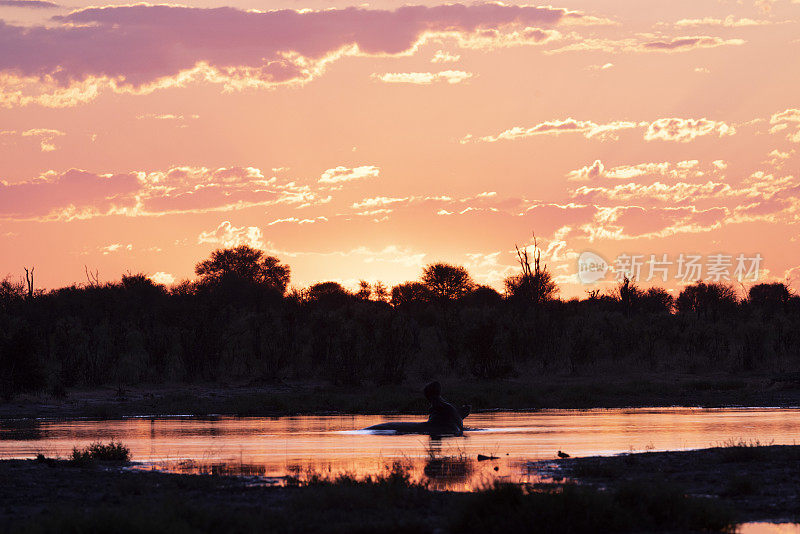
(93, 500)
(629, 507)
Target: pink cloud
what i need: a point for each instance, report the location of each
(632, 222)
(81, 194)
(133, 47)
(74, 189)
(30, 4)
(678, 44)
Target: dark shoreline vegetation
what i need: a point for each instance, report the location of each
(693, 491)
(287, 399)
(237, 341)
(690, 491)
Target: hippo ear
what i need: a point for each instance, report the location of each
(465, 410)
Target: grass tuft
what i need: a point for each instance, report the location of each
(97, 451)
(732, 450)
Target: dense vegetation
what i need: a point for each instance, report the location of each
(237, 322)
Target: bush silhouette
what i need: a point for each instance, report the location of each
(243, 264)
(447, 282)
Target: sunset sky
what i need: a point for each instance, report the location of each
(363, 141)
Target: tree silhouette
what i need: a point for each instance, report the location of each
(533, 284)
(628, 294)
(483, 296)
(380, 292)
(447, 282)
(328, 293)
(711, 300)
(364, 290)
(657, 300)
(408, 293)
(769, 298)
(244, 264)
(769, 295)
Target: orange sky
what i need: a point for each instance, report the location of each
(366, 140)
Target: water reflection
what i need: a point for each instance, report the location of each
(768, 528)
(20, 429)
(445, 469)
(274, 448)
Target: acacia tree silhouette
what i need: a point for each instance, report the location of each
(244, 264)
(447, 282)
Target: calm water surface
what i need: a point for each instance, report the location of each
(276, 447)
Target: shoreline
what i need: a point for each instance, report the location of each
(308, 398)
(759, 482)
(670, 491)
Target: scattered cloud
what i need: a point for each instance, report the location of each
(668, 129)
(296, 220)
(167, 117)
(589, 130)
(342, 174)
(579, 43)
(679, 192)
(682, 44)
(162, 278)
(589, 172)
(787, 121)
(604, 66)
(443, 56)
(46, 137)
(728, 22)
(760, 189)
(777, 158)
(378, 202)
(491, 39)
(685, 130)
(679, 170)
(226, 235)
(115, 247)
(424, 78)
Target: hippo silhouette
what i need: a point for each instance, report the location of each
(444, 418)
